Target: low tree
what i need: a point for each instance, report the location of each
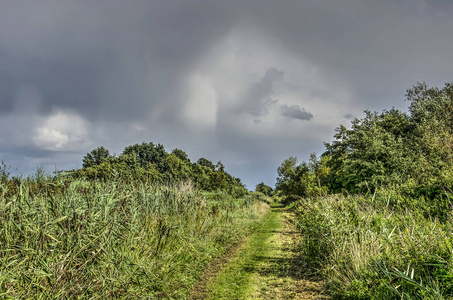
(181, 155)
(206, 163)
(412, 151)
(263, 188)
(96, 157)
(148, 153)
(304, 179)
(179, 169)
(150, 162)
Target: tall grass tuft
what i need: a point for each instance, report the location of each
(62, 239)
(377, 247)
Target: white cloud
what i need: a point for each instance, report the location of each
(51, 139)
(62, 131)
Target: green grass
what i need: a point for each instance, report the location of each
(377, 247)
(99, 240)
(233, 282)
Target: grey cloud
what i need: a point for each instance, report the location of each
(264, 87)
(349, 116)
(117, 63)
(109, 60)
(257, 101)
(365, 42)
(295, 112)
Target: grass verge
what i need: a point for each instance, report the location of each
(233, 281)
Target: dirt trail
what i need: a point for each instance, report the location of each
(278, 273)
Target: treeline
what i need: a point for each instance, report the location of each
(411, 153)
(150, 162)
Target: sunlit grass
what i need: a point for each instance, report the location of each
(374, 247)
(233, 281)
(99, 240)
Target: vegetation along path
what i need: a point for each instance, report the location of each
(266, 265)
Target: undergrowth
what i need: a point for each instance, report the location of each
(377, 246)
(99, 240)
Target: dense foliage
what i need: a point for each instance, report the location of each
(372, 247)
(263, 188)
(143, 224)
(151, 163)
(304, 179)
(386, 233)
(66, 238)
(411, 152)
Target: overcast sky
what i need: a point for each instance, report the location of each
(249, 83)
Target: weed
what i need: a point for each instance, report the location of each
(377, 247)
(63, 239)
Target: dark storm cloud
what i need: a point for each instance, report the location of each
(79, 73)
(107, 59)
(295, 112)
(257, 101)
(369, 42)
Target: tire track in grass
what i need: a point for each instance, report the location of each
(281, 275)
(201, 289)
(266, 265)
(233, 281)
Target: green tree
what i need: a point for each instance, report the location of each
(412, 151)
(96, 157)
(219, 178)
(286, 176)
(292, 178)
(206, 163)
(4, 173)
(263, 188)
(431, 111)
(179, 169)
(181, 155)
(408, 152)
(304, 179)
(150, 162)
(148, 153)
(378, 150)
(201, 176)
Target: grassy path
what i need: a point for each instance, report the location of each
(264, 266)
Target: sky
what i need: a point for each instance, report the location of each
(249, 82)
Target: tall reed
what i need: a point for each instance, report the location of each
(377, 247)
(97, 240)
